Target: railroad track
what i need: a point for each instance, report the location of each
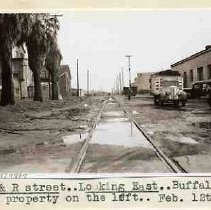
(76, 163)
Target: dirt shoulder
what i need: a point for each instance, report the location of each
(183, 133)
(34, 131)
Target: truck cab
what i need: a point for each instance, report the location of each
(168, 89)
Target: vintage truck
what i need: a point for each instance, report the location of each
(167, 87)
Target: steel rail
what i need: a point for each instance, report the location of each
(75, 164)
(174, 167)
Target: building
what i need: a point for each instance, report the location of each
(165, 78)
(142, 81)
(22, 75)
(64, 80)
(196, 67)
(45, 83)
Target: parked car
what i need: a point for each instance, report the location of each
(200, 89)
(209, 98)
(188, 91)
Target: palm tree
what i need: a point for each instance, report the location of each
(14, 28)
(42, 41)
(54, 57)
(36, 31)
(53, 61)
(37, 44)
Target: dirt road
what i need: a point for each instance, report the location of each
(183, 133)
(46, 137)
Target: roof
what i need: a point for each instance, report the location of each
(145, 73)
(63, 69)
(167, 72)
(202, 82)
(206, 50)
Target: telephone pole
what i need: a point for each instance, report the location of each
(129, 69)
(77, 79)
(120, 83)
(123, 83)
(88, 82)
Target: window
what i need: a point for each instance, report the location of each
(16, 54)
(185, 79)
(191, 75)
(196, 86)
(209, 71)
(170, 83)
(200, 73)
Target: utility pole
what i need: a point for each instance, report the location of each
(120, 83)
(129, 69)
(87, 82)
(123, 82)
(90, 84)
(77, 80)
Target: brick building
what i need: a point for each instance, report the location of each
(196, 67)
(142, 81)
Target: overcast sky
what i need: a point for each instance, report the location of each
(156, 39)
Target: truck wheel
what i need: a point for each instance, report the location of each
(176, 103)
(183, 103)
(209, 99)
(155, 102)
(161, 103)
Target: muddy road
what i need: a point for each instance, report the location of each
(118, 146)
(47, 137)
(32, 134)
(183, 133)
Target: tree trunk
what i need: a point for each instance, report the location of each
(7, 93)
(37, 86)
(54, 79)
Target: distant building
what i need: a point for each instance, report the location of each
(22, 75)
(64, 80)
(196, 67)
(142, 81)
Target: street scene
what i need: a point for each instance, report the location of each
(105, 92)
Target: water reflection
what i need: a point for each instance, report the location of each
(118, 131)
(74, 138)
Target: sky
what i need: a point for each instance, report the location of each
(100, 39)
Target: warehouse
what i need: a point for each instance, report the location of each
(142, 81)
(196, 67)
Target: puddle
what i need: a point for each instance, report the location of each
(150, 132)
(186, 140)
(115, 119)
(200, 112)
(196, 163)
(203, 125)
(112, 100)
(113, 114)
(135, 112)
(74, 138)
(119, 132)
